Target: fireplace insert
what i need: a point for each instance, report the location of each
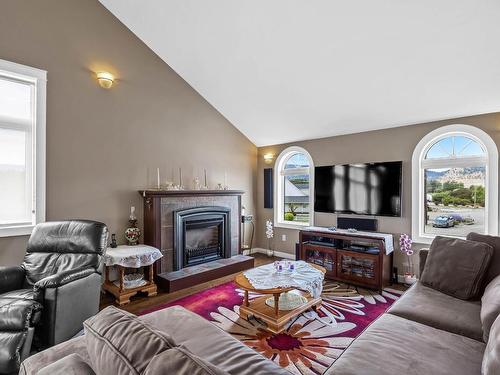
(201, 235)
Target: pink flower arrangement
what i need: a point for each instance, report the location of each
(405, 247)
(405, 244)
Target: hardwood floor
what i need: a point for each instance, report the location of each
(141, 302)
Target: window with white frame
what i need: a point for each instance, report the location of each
(22, 148)
(455, 178)
(294, 183)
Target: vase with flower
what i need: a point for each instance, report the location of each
(405, 244)
(269, 235)
(132, 233)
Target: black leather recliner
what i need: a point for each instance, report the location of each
(55, 289)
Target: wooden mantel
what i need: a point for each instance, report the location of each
(156, 192)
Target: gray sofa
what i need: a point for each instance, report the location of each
(424, 332)
(186, 329)
(429, 332)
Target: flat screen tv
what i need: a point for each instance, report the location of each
(364, 189)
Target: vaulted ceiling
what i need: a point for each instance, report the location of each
(288, 70)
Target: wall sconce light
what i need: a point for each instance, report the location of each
(105, 79)
(268, 158)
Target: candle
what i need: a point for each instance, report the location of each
(180, 177)
(205, 177)
(225, 179)
(158, 178)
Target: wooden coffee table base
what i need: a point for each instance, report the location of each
(275, 319)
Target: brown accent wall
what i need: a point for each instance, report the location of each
(101, 143)
(380, 145)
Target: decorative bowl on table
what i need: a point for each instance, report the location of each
(288, 301)
(132, 280)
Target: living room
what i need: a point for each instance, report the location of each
(236, 188)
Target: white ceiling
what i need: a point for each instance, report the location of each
(288, 70)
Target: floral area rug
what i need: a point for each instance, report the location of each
(312, 341)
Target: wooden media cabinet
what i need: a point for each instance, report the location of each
(358, 258)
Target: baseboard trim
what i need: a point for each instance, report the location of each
(278, 254)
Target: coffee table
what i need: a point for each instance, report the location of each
(275, 318)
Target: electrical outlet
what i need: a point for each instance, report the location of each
(283, 237)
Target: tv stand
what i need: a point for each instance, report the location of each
(359, 258)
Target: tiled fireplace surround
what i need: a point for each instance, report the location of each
(169, 203)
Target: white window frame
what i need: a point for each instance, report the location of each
(279, 187)
(38, 78)
(419, 163)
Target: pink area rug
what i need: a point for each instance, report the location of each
(312, 341)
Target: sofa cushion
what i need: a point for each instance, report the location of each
(33, 364)
(18, 313)
(490, 306)
(58, 246)
(72, 364)
(433, 308)
(494, 267)
(11, 343)
(216, 347)
(491, 360)
(457, 267)
(120, 343)
(19, 294)
(394, 346)
(179, 360)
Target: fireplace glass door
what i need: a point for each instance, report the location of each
(203, 242)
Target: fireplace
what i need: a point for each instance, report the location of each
(201, 235)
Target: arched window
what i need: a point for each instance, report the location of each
(294, 183)
(455, 184)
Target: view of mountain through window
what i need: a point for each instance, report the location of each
(455, 200)
(455, 187)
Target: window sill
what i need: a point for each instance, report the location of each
(21, 230)
(427, 240)
(292, 225)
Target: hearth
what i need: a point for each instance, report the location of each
(201, 235)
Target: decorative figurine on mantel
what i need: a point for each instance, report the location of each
(205, 185)
(132, 233)
(196, 184)
(113, 244)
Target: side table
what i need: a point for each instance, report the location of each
(136, 257)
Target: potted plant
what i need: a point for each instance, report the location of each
(405, 247)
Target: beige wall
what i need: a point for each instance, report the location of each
(100, 143)
(380, 145)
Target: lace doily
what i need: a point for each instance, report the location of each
(131, 256)
(305, 277)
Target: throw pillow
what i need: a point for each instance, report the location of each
(120, 343)
(491, 358)
(456, 267)
(490, 306)
(179, 360)
(494, 241)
